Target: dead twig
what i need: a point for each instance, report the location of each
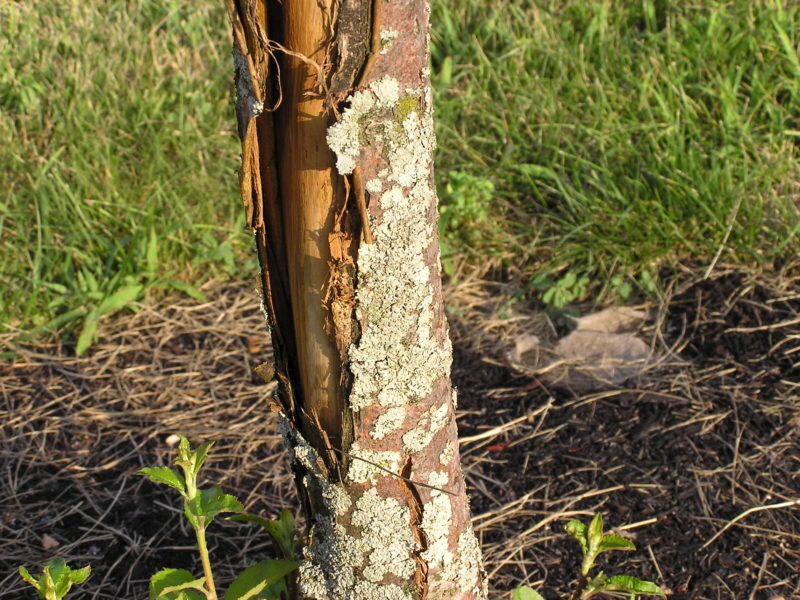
(749, 511)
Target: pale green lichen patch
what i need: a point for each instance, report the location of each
(446, 457)
(405, 106)
(400, 364)
(466, 570)
(387, 37)
(408, 152)
(357, 565)
(437, 514)
(386, 529)
(365, 590)
(389, 422)
(330, 561)
(336, 499)
(398, 358)
(429, 424)
(460, 570)
(368, 465)
(374, 186)
(345, 136)
(438, 479)
(355, 551)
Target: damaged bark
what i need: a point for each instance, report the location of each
(335, 117)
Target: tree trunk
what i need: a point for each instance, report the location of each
(335, 117)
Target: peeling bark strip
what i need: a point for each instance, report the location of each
(343, 209)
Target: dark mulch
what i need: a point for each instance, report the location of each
(671, 460)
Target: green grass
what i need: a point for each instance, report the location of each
(587, 144)
(119, 156)
(623, 137)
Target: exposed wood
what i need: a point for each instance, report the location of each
(374, 32)
(311, 191)
(258, 177)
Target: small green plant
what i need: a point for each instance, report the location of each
(593, 543)
(265, 580)
(562, 291)
(465, 216)
(56, 579)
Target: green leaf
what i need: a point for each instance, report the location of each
(550, 297)
(174, 584)
(526, 593)
(27, 577)
(578, 530)
(64, 578)
(788, 46)
(120, 299)
(60, 320)
(89, 281)
(254, 580)
(87, 334)
(568, 280)
(152, 252)
(286, 523)
(187, 289)
(446, 72)
(191, 461)
(614, 542)
(537, 171)
(56, 579)
(195, 584)
(201, 454)
(208, 503)
(55, 287)
(57, 568)
(184, 449)
(281, 530)
(164, 475)
(595, 533)
(632, 585)
(80, 575)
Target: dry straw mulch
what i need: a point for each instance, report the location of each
(76, 431)
(671, 459)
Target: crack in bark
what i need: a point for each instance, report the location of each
(415, 506)
(374, 42)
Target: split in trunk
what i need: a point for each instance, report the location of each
(334, 110)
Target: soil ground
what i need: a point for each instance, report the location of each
(671, 459)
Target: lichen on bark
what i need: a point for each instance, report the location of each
(431, 422)
(367, 465)
(398, 358)
(400, 364)
(356, 550)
